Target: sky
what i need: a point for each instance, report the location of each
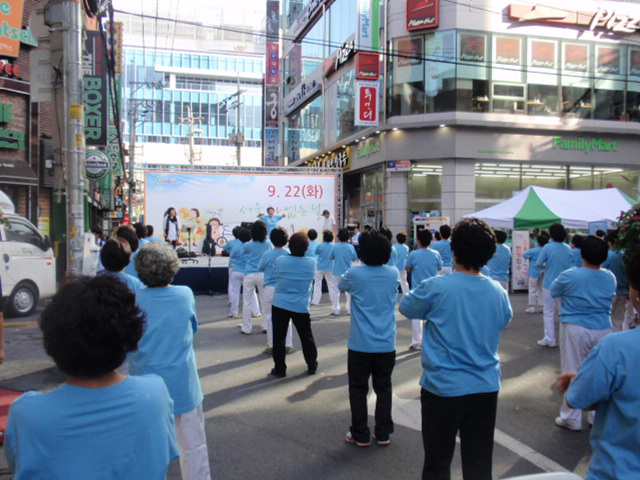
(205, 11)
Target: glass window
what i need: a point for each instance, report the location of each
(346, 105)
(407, 76)
(543, 100)
(340, 22)
(425, 187)
(18, 231)
(304, 131)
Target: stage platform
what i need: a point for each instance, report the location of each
(202, 276)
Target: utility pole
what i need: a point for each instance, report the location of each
(238, 137)
(191, 121)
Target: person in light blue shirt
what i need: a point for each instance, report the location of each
(279, 238)
(501, 261)
(253, 279)
(150, 232)
(271, 219)
(324, 252)
(534, 272)
(166, 349)
(115, 256)
(465, 313)
(313, 244)
(576, 254)
(393, 258)
(99, 423)
(129, 234)
(585, 314)
(401, 259)
(554, 258)
(622, 312)
(236, 271)
(372, 337)
(423, 263)
(443, 247)
(294, 279)
(343, 257)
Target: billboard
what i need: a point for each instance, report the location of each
(225, 200)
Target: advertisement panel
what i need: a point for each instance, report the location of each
(271, 147)
(11, 31)
(508, 51)
(543, 54)
(422, 14)
(224, 201)
(473, 48)
(576, 57)
(519, 266)
(95, 96)
(273, 63)
(366, 103)
(367, 66)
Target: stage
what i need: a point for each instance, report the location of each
(204, 277)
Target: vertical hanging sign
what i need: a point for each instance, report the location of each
(271, 134)
(94, 93)
(366, 103)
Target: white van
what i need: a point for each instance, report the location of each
(27, 265)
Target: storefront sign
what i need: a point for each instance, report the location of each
(295, 66)
(422, 14)
(366, 103)
(608, 60)
(473, 48)
(398, 165)
(273, 64)
(543, 54)
(271, 147)
(11, 27)
(508, 51)
(519, 245)
(9, 137)
(273, 20)
(333, 160)
(367, 66)
(95, 92)
(576, 58)
(585, 145)
(368, 15)
(367, 148)
(97, 164)
(302, 93)
(271, 106)
(114, 45)
(304, 19)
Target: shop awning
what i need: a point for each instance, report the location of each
(17, 172)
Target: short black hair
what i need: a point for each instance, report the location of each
(271, 208)
(612, 236)
(244, 234)
(129, 234)
(97, 229)
(115, 254)
(600, 233)
(557, 232)
(424, 237)
(149, 231)
(401, 237)
(473, 243)
(312, 234)
(298, 244)
(367, 228)
(445, 231)
(375, 248)
(141, 231)
(543, 238)
(90, 325)
(343, 234)
(327, 236)
(235, 231)
(501, 236)
(594, 250)
(279, 237)
(577, 240)
(437, 236)
(387, 233)
(259, 231)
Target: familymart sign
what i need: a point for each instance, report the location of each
(586, 145)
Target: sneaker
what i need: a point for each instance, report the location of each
(256, 315)
(268, 351)
(264, 330)
(530, 310)
(349, 439)
(560, 422)
(335, 314)
(544, 343)
(234, 315)
(278, 374)
(383, 443)
(415, 347)
(289, 350)
(313, 370)
(245, 333)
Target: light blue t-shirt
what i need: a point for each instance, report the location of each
(325, 255)
(233, 247)
(272, 222)
(267, 262)
(131, 268)
(311, 251)
(393, 258)
(608, 378)
(374, 292)
(132, 282)
(576, 257)
(124, 431)
(252, 252)
(443, 247)
(500, 262)
(166, 347)
(555, 258)
(294, 283)
(615, 264)
(532, 255)
(586, 297)
(403, 253)
(424, 264)
(343, 256)
(465, 315)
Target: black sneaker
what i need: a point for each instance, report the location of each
(278, 374)
(383, 442)
(313, 370)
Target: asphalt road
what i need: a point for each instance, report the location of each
(259, 427)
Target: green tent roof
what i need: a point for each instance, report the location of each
(534, 214)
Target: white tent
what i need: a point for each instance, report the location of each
(539, 207)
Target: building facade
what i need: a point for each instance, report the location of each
(477, 100)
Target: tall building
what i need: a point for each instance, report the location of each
(476, 100)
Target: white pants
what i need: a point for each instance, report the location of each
(416, 332)
(504, 284)
(267, 302)
(317, 289)
(575, 344)
(249, 285)
(403, 282)
(549, 313)
(621, 313)
(235, 285)
(192, 442)
(535, 291)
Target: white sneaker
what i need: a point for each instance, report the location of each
(562, 423)
(256, 315)
(416, 347)
(530, 310)
(544, 343)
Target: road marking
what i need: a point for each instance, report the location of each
(21, 324)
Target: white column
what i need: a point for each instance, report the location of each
(458, 188)
(396, 201)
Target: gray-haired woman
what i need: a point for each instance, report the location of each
(166, 349)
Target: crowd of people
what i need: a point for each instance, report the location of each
(125, 340)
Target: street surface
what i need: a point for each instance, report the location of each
(260, 427)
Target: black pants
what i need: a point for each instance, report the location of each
(378, 366)
(302, 321)
(474, 416)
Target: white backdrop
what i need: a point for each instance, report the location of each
(199, 198)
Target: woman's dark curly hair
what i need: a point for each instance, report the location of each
(115, 254)
(90, 325)
(129, 234)
(375, 248)
(473, 243)
(298, 244)
(279, 237)
(259, 231)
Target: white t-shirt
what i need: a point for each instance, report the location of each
(329, 224)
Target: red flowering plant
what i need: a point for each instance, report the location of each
(628, 239)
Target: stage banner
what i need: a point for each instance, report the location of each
(223, 201)
(519, 266)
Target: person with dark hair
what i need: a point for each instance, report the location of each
(141, 232)
(607, 382)
(461, 377)
(324, 269)
(97, 233)
(294, 279)
(437, 236)
(98, 420)
(585, 315)
(621, 311)
(313, 244)
(115, 256)
(534, 273)
(253, 279)
(554, 258)
(166, 349)
(343, 257)
(443, 247)
(501, 261)
(279, 238)
(328, 222)
(128, 233)
(402, 252)
(423, 263)
(171, 226)
(393, 258)
(237, 270)
(576, 255)
(601, 233)
(150, 236)
(271, 219)
(372, 337)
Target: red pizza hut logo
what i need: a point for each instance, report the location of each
(422, 14)
(367, 66)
